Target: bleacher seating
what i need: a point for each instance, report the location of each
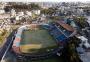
(57, 34)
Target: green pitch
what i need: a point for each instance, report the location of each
(34, 41)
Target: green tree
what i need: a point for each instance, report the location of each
(81, 21)
(33, 6)
(48, 11)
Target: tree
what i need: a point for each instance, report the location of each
(69, 52)
(49, 11)
(81, 21)
(44, 11)
(33, 6)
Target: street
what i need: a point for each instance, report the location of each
(4, 47)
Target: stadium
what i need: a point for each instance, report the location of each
(39, 41)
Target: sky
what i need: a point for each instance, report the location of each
(45, 0)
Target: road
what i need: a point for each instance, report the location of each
(8, 41)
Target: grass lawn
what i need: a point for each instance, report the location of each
(34, 41)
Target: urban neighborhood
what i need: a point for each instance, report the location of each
(44, 31)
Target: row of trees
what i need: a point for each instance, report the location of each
(31, 6)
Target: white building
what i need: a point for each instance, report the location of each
(13, 13)
(2, 11)
(36, 12)
(29, 13)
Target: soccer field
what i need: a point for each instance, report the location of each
(34, 41)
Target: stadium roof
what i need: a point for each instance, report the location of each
(66, 26)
